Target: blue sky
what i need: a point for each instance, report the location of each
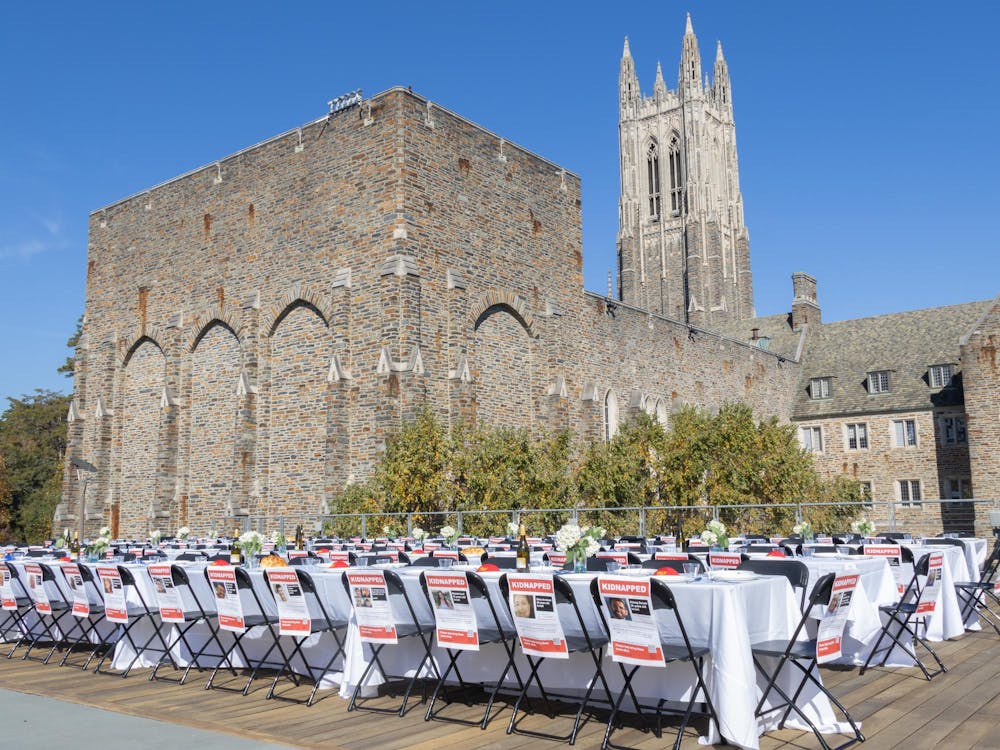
(866, 131)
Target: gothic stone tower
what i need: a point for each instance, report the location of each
(683, 250)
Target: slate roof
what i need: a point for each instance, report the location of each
(906, 344)
(778, 328)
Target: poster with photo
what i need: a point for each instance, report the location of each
(36, 587)
(227, 598)
(532, 600)
(372, 610)
(168, 598)
(81, 603)
(932, 587)
(7, 598)
(114, 594)
(627, 605)
(293, 610)
(893, 553)
(830, 633)
(453, 613)
(724, 560)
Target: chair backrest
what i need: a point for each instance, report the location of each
(795, 571)
(949, 541)
(337, 615)
(191, 556)
(504, 563)
(792, 550)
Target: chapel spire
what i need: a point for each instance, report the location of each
(628, 82)
(659, 87)
(689, 77)
(720, 83)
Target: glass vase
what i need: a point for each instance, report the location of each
(579, 564)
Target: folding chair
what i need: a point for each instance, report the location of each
(90, 619)
(802, 655)
(489, 630)
(676, 647)
(978, 596)
(796, 572)
(677, 565)
(51, 609)
(579, 639)
(905, 618)
(257, 617)
(191, 614)
(134, 618)
(321, 620)
(407, 625)
(17, 605)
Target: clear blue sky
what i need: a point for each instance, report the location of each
(867, 131)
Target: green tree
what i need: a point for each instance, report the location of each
(67, 368)
(33, 444)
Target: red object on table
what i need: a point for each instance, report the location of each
(487, 568)
(340, 564)
(776, 553)
(666, 572)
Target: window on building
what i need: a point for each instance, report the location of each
(866, 492)
(819, 388)
(939, 376)
(904, 433)
(878, 381)
(610, 415)
(811, 438)
(909, 491)
(957, 488)
(653, 175)
(953, 430)
(857, 436)
(676, 178)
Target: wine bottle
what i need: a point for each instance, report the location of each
(298, 538)
(523, 553)
(235, 556)
(74, 546)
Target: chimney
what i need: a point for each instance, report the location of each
(805, 307)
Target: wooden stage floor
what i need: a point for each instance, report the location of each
(897, 708)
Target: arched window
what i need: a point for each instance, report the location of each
(610, 415)
(653, 175)
(676, 178)
(661, 412)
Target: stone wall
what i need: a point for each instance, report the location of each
(981, 383)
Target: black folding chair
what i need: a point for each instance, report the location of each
(796, 572)
(95, 631)
(255, 615)
(802, 656)
(905, 620)
(579, 639)
(677, 647)
(504, 563)
(15, 626)
(408, 624)
(980, 596)
(322, 620)
(678, 565)
(138, 614)
(490, 629)
(54, 622)
(194, 614)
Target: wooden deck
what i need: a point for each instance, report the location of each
(898, 708)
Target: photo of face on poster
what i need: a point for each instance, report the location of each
(618, 608)
(524, 606)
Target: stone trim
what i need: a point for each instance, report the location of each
(128, 345)
(496, 298)
(297, 295)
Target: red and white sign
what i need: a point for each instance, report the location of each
(36, 587)
(532, 600)
(293, 610)
(447, 554)
(168, 598)
(627, 605)
(724, 560)
(340, 555)
(114, 594)
(669, 556)
(453, 613)
(227, 598)
(293, 553)
(81, 603)
(557, 558)
(932, 586)
(830, 633)
(619, 557)
(7, 598)
(893, 554)
(372, 610)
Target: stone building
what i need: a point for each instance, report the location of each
(256, 328)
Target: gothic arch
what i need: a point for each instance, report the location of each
(298, 296)
(227, 316)
(610, 414)
(129, 346)
(495, 299)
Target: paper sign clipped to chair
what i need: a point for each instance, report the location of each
(932, 587)
(168, 598)
(724, 560)
(7, 599)
(36, 585)
(533, 609)
(293, 610)
(628, 609)
(227, 598)
(557, 558)
(893, 554)
(452, 605)
(372, 609)
(619, 557)
(81, 604)
(831, 628)
(114, 594)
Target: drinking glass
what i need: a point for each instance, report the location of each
(691, 569)
(445, 562)
(612, 566)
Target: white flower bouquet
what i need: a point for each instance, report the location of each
(449, 534)
(279, 539)
(715, 535)
(418, 533)
(155, 535)
(512, 528)
(183, 533)
(804, 530)
(251, 542)
(864, 527)
(579, 542)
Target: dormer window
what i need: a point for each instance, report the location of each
(878, 381)
(939, 376)
(819, 388)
